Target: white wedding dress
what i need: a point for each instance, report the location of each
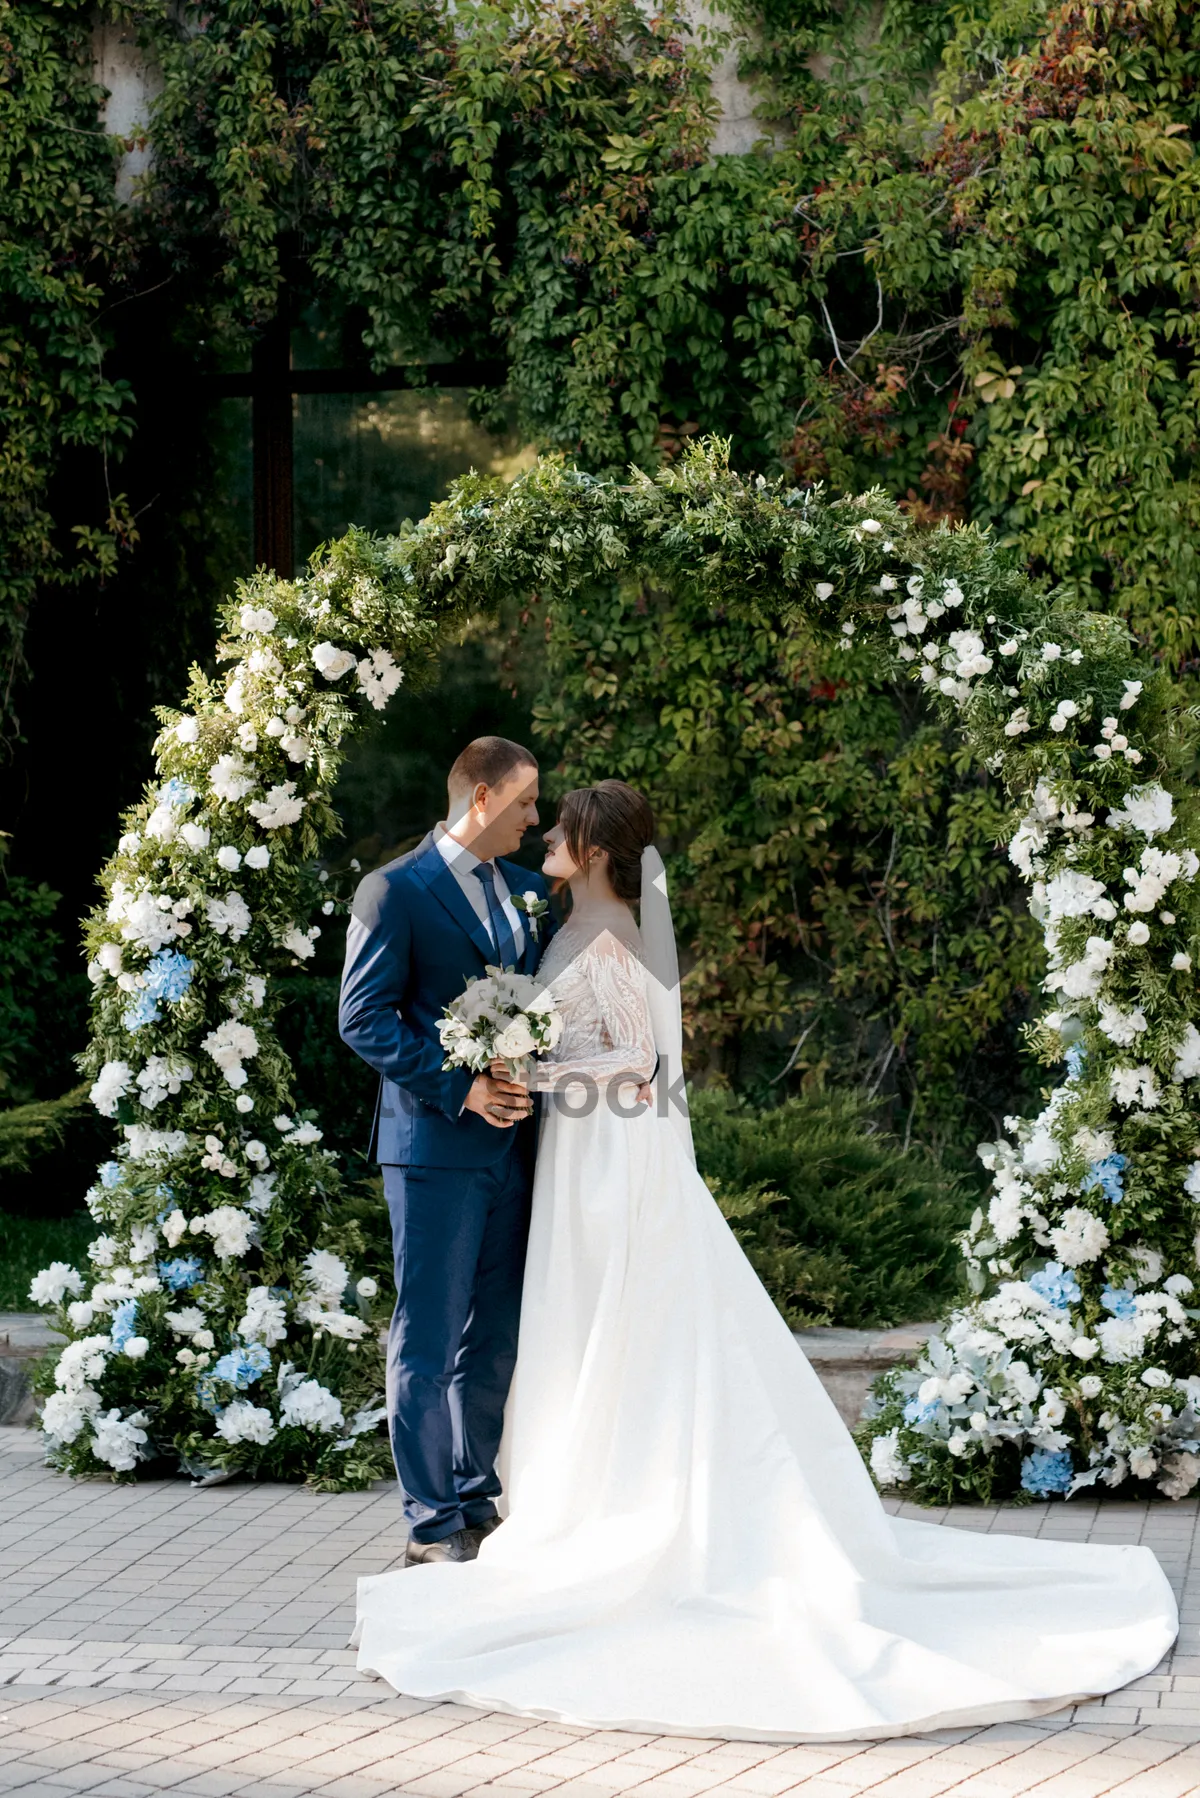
(693, 1544)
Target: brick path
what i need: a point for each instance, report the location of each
(155, 1638)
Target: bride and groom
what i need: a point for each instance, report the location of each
(691, 1541)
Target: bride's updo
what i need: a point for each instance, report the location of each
(612, 817)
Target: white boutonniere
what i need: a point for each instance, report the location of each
(534, 910)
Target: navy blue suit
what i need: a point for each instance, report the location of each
(457, 1188)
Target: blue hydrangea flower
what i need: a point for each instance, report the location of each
(916, 1412)
(184, 1271)
(169, 975)
(124, 1323)
(1043, 1473)
(110, 1175)
(239, 1369)
(144, 1010)
(1106, 1175)
(1074, 1058)
(175, 792)
(1118, 1301)
(1057, 1286)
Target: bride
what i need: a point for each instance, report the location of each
(693, 1544)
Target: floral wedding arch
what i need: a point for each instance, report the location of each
(219, 1321)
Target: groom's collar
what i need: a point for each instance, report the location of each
(456, 855)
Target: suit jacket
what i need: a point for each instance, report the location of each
(412, 943)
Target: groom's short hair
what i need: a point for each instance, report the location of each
(489, 760)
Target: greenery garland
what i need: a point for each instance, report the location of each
(218, 1272)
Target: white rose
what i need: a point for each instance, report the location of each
(515, 1040)
(333, 662)
(136, 1347)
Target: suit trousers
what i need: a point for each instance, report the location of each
(459, 1238)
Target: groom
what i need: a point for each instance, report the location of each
(456, 1149)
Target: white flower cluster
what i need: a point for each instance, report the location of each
(230, 1045)
(326, 1278)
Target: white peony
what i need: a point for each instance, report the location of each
(301, 943)
(1134, 1086)
(229, 1045)
(118, 1441)
(229, 858)
(281, 807)
(187, 730)
(1121, 1027)
(150, 922)
(326, 1275)
(65, 1414)
(887, 1463)
(1072, 895)
(185, 1322)
(264, 1319)
(312, 1406)
(1080, 1237)
(51, 1285)
(110, 1087)
(1081, 980)
(196, 836)
(1187, 1056)
(162, 1076)
(231, 1230)
(152, 1145)
(243, 1422)
(229, 916)
(231, 778)
(1149, 810)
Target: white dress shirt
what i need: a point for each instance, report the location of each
(462, 864)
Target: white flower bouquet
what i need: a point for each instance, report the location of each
(501, 1017)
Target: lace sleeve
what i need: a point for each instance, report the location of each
(620, 1043)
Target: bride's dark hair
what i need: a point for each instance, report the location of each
(612, 817)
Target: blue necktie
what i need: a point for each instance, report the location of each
(506, 942)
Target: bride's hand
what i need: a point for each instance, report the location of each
(499, 1071)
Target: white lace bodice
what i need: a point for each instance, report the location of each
(599, 984)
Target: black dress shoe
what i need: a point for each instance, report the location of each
(461, 1546)
(480, 1530)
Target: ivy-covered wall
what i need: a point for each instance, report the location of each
(962, 262)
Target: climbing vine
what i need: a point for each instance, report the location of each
(886, 289)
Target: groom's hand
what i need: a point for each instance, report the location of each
(498, 1100)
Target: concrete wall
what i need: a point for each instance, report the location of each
(133, 84)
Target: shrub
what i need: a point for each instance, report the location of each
(841, 1223)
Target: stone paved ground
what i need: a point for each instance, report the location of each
(156, 1638)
